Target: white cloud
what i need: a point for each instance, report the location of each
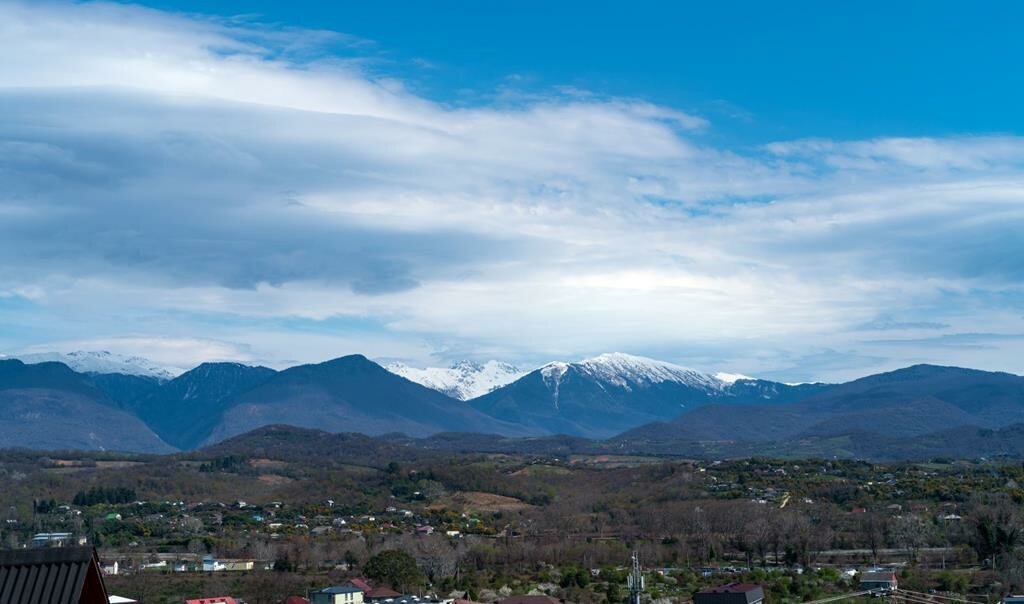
(173, 178)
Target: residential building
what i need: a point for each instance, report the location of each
(51, 539)
(211, 564)
(239, 565)
(410, 599)
(733, 593)
(340, 594)
(381, 594)
(57, 575)
(878, 580)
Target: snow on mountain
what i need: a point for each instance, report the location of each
(462, 380)
(628, 371)
(101, 361)
(732, 378)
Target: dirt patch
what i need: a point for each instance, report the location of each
(480, 502)
(274, 479)
(117, 464)
(267, 464)
(541, 470)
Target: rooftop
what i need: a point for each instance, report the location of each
(339, 589)
(732, 588)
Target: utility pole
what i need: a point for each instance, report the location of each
(635, 581)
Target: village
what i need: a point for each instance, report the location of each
(489, 528)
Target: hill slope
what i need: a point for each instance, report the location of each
(352, 394)
(186, 410)
(605, 395)
(49, 406)
(910, 402)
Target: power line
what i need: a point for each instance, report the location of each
(931, 597)
(855, 594)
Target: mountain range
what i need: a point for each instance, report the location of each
(612, 402)
(50, 406)
(102, 361)
(599, 397)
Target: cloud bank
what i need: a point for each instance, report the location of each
(197, 188)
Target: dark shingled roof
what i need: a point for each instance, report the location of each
(57, 575)
(733, 593)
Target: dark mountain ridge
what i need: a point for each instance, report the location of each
(908, 402)
(187, 409)
(600, 397)
(49, 406)
(353, 394)
(557, 410)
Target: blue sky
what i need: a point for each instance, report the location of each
(762, 70)
(804, 191)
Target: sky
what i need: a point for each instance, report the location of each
(801, 191)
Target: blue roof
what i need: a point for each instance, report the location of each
(338, 589)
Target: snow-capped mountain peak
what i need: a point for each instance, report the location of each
(732, 378)
(627, 370)
(462, 380)
(101, 361)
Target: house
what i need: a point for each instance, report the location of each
(410, 599)
(733, 593)
(878, 580)
(110, 568)
(51, 539)
(57, 575)
(121, 600)
(239, 565)
(341, 594)
(213, 600)
(1013, 600)
(211, 564)
(374, 594)
(381, 594)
